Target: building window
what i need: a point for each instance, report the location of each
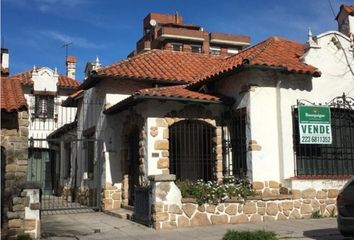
(196, 48)
(192, 155)
(232, 51)
(176, 47)
(44, 106)
(327, 159)
(234, 143)
(215, 50)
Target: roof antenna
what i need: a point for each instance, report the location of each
(66, 45)
(330, 4)
(176, 18)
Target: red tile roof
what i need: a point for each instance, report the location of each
(163, 65)
(177, 92)
(12, 97)
(273, 52)
(64, 81)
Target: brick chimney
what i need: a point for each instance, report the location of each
(4, 62)
(71, 66)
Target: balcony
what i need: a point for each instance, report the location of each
(229, 39)
(180, 33)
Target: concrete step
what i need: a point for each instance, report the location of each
(122, 213)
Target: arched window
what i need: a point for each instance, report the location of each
(192, 155)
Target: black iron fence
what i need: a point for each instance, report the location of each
(142, 205)
(336, 158)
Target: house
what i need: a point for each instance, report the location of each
(164, 31)
(44, 90)
(203, 116)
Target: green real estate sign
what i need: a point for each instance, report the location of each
(315, 125)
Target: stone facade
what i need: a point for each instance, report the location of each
(14, 147)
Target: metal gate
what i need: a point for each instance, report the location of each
(68, 171)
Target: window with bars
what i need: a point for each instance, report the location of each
(327, 159)
(44, 106)
(234, 143)
(192, 155)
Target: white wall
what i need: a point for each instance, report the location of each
(269, 104)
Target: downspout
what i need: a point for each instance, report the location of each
(280, 128)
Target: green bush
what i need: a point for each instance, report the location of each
(213, 192)
(24, 236)
(316, 214)
(248, 235)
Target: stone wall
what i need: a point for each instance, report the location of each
(111, 197)
(14, 147)
(299, 205)
(23, 214)
(169, 211)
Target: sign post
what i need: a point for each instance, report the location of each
(315, 125)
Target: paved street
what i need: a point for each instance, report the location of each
(93, 225)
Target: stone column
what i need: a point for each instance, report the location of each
(166, 201)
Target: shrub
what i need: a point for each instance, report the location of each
(248, 235)
(24, 236)
(212, 192)
(316, 214)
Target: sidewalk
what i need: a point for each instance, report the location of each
(98, 225)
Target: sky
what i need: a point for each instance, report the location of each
(34, 31)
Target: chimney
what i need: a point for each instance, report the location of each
(4, 62)
(71, 66)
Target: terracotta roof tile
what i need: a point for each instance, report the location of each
(273, 52)
(162, 65)
(64, 81)
(179, 91)
(12, 97)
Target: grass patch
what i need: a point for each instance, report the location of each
(250, 235)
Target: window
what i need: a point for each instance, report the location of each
(234, 143)
(215, 50)
(44, 106)
(327, 159)
(192, 155)
(196, 48)
(176, 47)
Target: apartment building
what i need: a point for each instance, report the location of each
(169, 32)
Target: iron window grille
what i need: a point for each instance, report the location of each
(192, 151)
(234, 143)
(328, 159)
(44, 106)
